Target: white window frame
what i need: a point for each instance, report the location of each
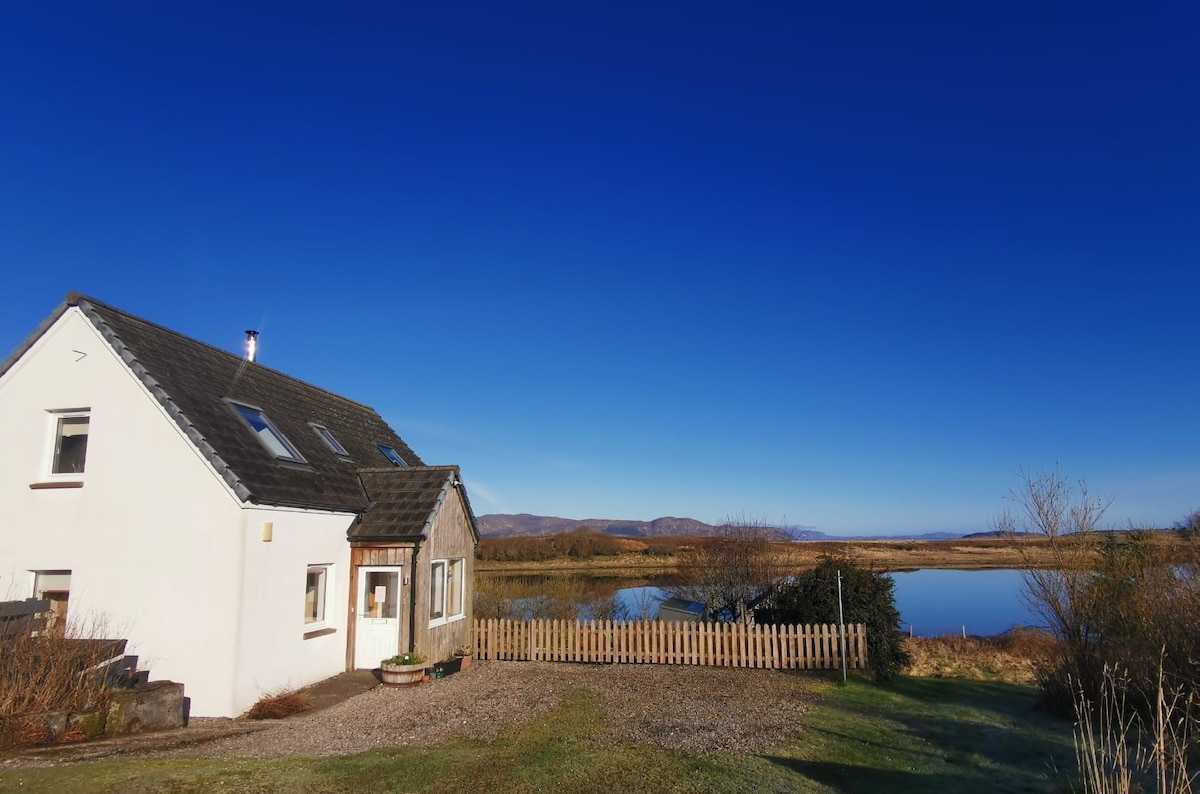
(54, 437)
(439, 590)
(321, 619)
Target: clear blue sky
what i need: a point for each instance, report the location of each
(844, 265)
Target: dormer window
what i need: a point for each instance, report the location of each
(329, 440)
(266, 432)
(391, 455)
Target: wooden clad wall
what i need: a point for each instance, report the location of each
(380, 555)
(449, 538)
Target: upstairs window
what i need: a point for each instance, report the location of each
(266, 432)
(70, 442)
(329, 440)
(391, 455)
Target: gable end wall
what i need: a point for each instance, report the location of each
(151, 539)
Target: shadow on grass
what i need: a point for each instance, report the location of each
(1004, 727)
(850, 779)
(935, 735)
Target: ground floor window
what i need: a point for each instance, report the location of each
(446, 590)
(314, 594)
(55, 587)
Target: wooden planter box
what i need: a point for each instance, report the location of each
(402, 674)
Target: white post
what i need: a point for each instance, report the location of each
(842, 623)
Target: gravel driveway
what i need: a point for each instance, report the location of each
(697, 710)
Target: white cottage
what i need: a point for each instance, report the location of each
(245, 531)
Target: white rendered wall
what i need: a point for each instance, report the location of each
(154, 539)
(273, 652)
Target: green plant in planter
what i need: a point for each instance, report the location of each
(406, 658)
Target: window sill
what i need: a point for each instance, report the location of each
(42, 486)
(312, 635)
(433, 624)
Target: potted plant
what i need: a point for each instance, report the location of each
(463, 655)
(404, 669)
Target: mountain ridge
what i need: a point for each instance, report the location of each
(503, 525)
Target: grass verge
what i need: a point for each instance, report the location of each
(920, 735)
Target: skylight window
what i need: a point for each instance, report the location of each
(329, 440)
(266, 432)
(391, 455)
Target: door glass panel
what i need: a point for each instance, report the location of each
(381, 595)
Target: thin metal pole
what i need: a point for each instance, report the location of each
(842, 621)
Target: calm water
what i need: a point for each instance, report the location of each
(931, 602)
(935, 602)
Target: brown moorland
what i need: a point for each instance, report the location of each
(595, 553)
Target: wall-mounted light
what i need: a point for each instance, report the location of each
(268, 528)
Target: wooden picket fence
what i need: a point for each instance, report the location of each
(669, 642)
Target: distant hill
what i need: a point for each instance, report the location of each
(498, 525)
(501, 525)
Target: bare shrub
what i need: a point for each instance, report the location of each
(280, 704)
(1113, 599)
(644, 605)
(60, 671)
(602, 607)
(731, 572)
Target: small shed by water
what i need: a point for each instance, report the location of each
(680, 610)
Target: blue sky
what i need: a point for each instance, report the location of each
(842, 265)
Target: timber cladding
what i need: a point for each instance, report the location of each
(380, 555)
(450, 538)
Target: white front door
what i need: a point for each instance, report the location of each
(377, 610)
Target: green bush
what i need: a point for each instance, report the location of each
(867, 598)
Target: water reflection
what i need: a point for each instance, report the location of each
(568, 597)
(932, 602)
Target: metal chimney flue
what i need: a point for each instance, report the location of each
(251, 346)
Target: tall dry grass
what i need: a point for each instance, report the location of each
(1015, 656)
(1121, 750)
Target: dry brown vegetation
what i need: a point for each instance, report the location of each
(613, 555)
(54, 672)
(1013, 657)
(277, 705)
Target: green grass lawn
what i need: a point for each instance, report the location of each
(920, 735)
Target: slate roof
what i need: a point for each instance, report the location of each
(193, 381)
(404, 502)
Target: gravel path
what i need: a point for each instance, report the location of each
(697, 710)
